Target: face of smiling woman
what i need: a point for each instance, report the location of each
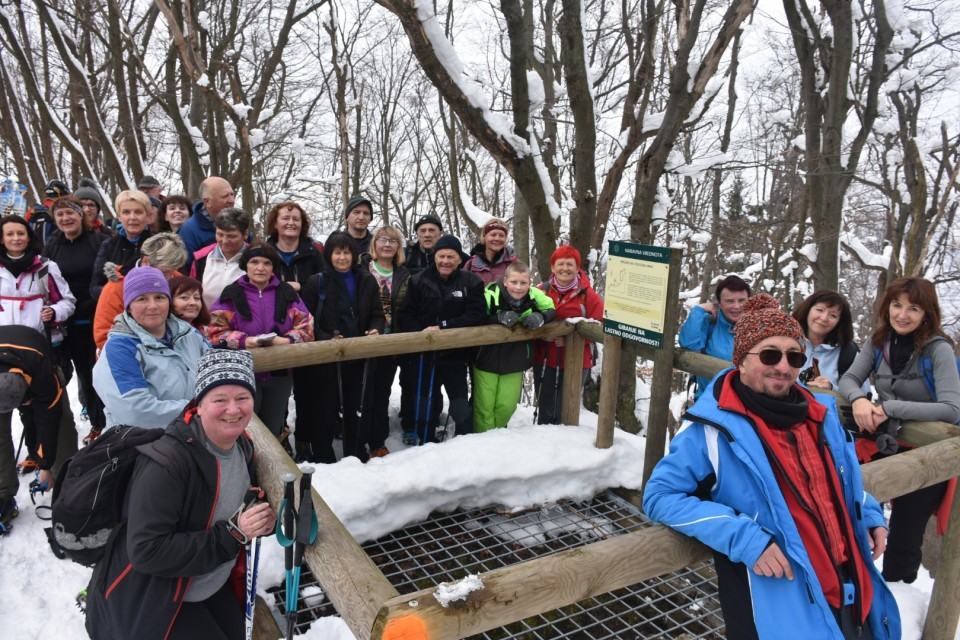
(150, 311)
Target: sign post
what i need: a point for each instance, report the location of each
(641, 305)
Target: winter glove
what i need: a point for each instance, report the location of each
(533, 321)
(846, 419)
(507, 318)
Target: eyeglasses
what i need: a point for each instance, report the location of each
(383, 240)
(771, 357)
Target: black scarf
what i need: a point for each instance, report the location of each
(779, 413)
(19, 265)
(901, 350)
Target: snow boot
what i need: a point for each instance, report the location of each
(28, 466)
(8, 511)
(93, 435)
(410, 438)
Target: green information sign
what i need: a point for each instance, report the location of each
(636, 292)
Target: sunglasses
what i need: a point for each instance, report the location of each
(771, 357)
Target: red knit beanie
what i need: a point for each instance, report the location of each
(493, 223)
(566, 251)
(762, 318)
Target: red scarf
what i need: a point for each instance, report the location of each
(805, 478)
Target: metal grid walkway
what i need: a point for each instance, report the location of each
(450, 546)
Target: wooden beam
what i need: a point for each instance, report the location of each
(608, 391)
(298, 355)
(572, 379)
(523, 590)
(355, 585)
(911, 470)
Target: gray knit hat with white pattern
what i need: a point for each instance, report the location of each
(218, 367)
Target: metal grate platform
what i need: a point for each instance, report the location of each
(450, 546)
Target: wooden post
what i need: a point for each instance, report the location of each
(355, 585)
(608, 391)
(661, 388)
(944, 609)
(572, 379)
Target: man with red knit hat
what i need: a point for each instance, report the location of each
(764, 474)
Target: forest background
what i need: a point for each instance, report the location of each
(800, 144)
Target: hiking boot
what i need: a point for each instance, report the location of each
(410, 438)
(28, 466)
(93, 435)
(8, 510)
(379, 452)
(304, 453)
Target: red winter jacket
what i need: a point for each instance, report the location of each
(582, 302)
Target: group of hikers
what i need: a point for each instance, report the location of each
(766, 470)
(157, 319)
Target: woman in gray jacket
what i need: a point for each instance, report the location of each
(915, 374)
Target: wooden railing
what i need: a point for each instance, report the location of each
(367, 601)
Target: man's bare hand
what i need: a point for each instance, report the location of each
(878, 541)
(773, 564)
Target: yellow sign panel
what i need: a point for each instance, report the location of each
(636, 292)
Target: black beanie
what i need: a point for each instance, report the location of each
(355, 202)
(429, 219)
(448, 242)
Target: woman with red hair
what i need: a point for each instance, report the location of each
(915, 373)
(569, 288)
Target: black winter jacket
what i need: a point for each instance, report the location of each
(338, 313)
(119, 251)
(416, 258)
(306, 262)
(26, 350)
(450, 304)
(76, 259)
(138, 587)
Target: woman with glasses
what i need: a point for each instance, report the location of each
(387, 266)
(915, 373)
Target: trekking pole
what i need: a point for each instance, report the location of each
(556, 384)
(363, 392)
(538, 386)
(306, 534)
(23, 434)
(285, 532)
(416, 412)
(252, 549)
(426, 417)
(340, 390)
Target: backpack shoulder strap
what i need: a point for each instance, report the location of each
(848, 354)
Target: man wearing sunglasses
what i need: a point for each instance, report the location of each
(765, 475)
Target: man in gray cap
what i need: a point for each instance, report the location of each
(28, 381)
(357, 215)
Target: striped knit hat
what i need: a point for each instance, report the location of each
(762, 318)
(218, 367)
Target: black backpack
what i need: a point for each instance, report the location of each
(89, 493)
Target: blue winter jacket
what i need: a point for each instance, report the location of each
(197, 232)
(718, 450)
(144, 381)
(700, 333)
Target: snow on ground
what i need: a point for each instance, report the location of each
(517, 467)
